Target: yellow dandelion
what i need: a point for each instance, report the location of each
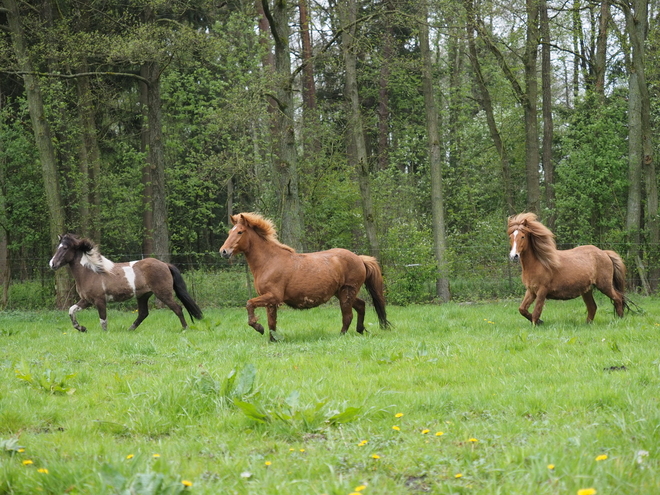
(130, 456)
(424, 432)
(398, 415)
(363, 443)
(267, 463)
(42, 470)
(396, 428)
(551, 467)
(21, 450)
(458, 475)
(27, 462)
(354, 493)
(473, 440)
(292, 449)
(375, 456)
(601, 457)
(186, 483)
(156, 455)
(359, 488)
(439, 433)
(302, 450)
(587, 491)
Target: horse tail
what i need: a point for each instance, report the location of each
(374, 284)
(619, 276)
(181, 292)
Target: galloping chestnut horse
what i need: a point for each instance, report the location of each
(549, 273)
(281, 275)
(99, 281)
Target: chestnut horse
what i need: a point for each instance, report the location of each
(549, 273)
(281, 275)
(99, 281)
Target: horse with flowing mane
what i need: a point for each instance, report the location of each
(99, 281)
(302, 280)
(549, 273)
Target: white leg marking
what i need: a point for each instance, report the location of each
(104, 324)
(129, 273)
(514, 248)
(74, 309)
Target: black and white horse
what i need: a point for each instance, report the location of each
(99, 281)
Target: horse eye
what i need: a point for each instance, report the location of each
(239, 232)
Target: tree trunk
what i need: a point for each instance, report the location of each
(286, 157)
(435, 159)
(348, 12)
(5, 275)
(532, 158)
(384, 93)
(601, 49)
(548, 127)
(147, 191)
(42, 136)
(90, 163)
(487, 105)
(640, 156)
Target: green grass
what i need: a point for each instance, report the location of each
(510, 399)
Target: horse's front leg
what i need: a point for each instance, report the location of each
(526, 303)
(264, 301)
(79, 306)
(538, 307)
(103, 315)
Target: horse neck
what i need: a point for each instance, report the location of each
(262, 252)
(77, 269)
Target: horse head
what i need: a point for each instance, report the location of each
(236, 242)
(67, 248)
(518, 231)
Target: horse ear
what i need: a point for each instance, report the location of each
(233, 219)
(244, 220)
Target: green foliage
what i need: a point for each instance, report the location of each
(591, 184)
(148, 483)
(48, 380)
(11, 445)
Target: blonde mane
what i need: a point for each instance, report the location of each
(93, 259)
(262, 226)
(541, 239)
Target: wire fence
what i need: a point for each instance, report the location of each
(478, 273)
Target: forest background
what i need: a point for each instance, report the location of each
(404, 129)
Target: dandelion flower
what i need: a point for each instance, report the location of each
(458, 475)
(601, 457)
(302, 450)
(361, 444)
(156, 455)
(375, 456)
(130, 456)
(292, 449)
(21, 450)
(396, 428)
(359, 488)
(42, 470)
(424, 432)
(267, 463)
(551, 467)
(27, 462)
(439, 433)
(186, 483)
(398, 415)
(587, 491)
(473, 440)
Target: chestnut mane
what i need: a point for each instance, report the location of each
(262, 226)
(541, 240)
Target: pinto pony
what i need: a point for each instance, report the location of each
(281, 275)
(549, 273)
(99, 281)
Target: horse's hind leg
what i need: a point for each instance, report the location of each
(588, 298)
(143, 310)
(616, 297)
(79, 306)
(359, 307)
(347, 299)
(174, 306)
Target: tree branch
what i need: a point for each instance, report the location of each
(74, 76)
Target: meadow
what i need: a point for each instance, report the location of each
(454, 399)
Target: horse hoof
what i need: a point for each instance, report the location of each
(82, 329)
(259, 328)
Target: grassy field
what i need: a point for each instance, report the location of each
(454, 399)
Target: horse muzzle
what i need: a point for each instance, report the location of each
(514, 257)
(226, 253)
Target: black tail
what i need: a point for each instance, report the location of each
(181, 292)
